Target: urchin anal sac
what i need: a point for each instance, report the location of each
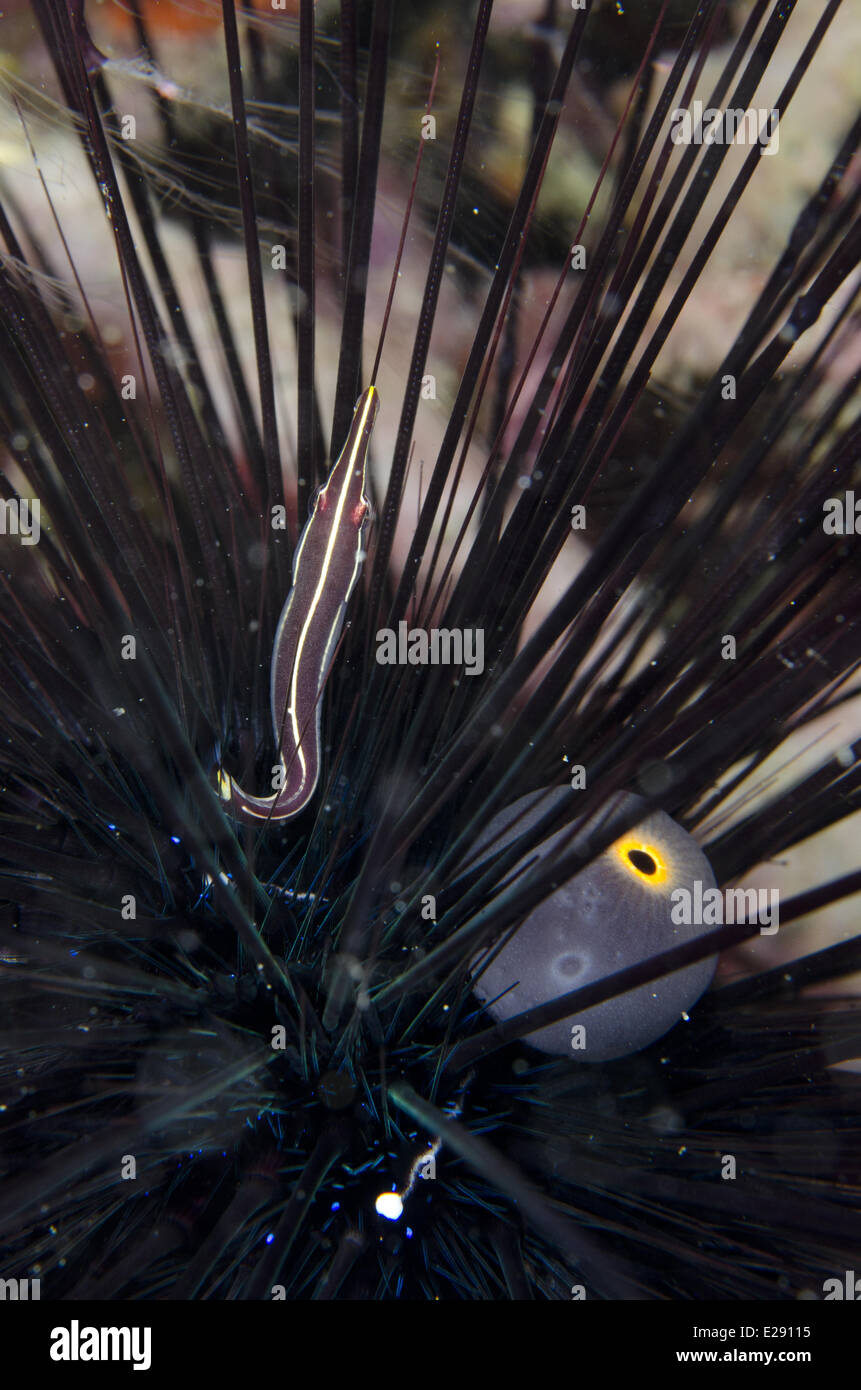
(614, 913)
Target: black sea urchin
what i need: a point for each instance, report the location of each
(246, 1061)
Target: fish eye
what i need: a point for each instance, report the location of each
(642, 861)
(614, 913)
(645, 859)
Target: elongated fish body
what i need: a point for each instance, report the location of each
(325, 569)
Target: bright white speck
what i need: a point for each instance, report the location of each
(389, 1205)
